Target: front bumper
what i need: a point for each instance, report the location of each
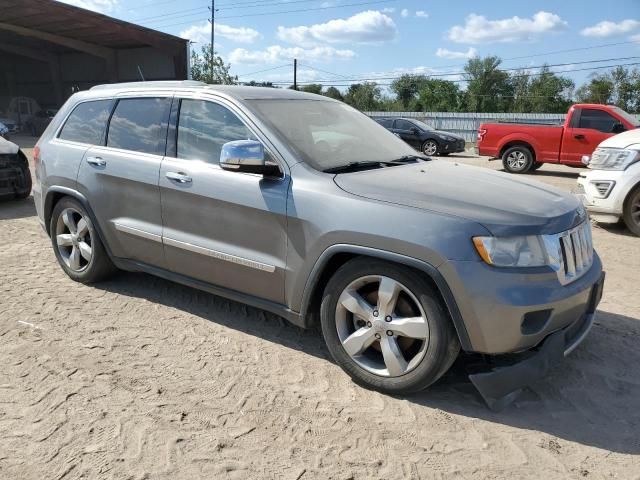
(505, 379)
(452, 146)
(513, 310)
(13, 179)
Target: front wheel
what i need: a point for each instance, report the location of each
(386, 327)
(518, 159)
(430, 148)
(631, 213)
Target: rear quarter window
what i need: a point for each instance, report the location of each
(87, 123)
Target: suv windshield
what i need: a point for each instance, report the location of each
(327, 134)
(628, 117)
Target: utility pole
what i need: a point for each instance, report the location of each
(213, 35)
(295, 73)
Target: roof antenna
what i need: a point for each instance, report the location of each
(140, 72)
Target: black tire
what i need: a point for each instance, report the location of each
(536, 166)
(525, 161)
(99, 267)
(442, 347)
(32, 130)
(444, 154)
(631, 212)
(429, 146)
(28, 183)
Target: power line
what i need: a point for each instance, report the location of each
(449, 74)
(265, 70)
(331, 84)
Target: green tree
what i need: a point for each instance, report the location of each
(488, 88)
(599, 90)
(364, 96)
(334, 93)
(312, 88)
(549, 93)
(201, 67)
(253, 83)
(437, 95)
(407, 87)
(520, 86)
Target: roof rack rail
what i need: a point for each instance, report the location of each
(160, 83)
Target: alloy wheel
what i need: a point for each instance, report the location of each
(430, 148)
(73, 239)
(382, 326)
(517, 160)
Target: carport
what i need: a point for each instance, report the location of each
(49, 49)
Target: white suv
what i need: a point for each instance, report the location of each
(612, 187)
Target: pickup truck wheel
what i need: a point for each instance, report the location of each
(517, 159)
(430, 147)
(386, 327)
(631, 212)
(76, 243)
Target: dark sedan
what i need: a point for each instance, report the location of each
(422, 136)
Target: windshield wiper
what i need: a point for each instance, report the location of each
(408, 158)
(354, 167)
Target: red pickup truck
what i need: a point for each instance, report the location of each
(524, 146)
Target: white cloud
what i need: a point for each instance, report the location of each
(422, 14)
(371, 26)
(101, 6)
(404, 12)
(202, 33)
(635, 38)
(607, 29)
(388, 10)
(478, 29)
(277, 54)
(453, 55)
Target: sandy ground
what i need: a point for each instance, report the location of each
(140, 378)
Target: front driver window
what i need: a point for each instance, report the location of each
(203, 127)
(597, 120)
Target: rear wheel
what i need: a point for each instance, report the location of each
(518, 159)
(76, 243)
(386, 327)
(631, 213)
(430, 147)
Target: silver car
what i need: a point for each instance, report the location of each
(302, 206)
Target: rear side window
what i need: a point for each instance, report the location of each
(140, 124)
(385, 122)
(87, 123)
(203, 127)
(404, 125)
(597, 120)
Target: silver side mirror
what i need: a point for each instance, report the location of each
(242, 156)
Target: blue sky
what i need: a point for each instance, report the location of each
(337, 41)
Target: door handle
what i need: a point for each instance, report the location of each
(579, 136)
(97, 161)
(178, 177)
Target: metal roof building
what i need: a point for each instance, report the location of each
(49, 49)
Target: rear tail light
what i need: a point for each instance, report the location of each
(481, 133)
(36, 156)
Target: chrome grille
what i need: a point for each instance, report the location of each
(576, 252)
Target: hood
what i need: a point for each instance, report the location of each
(449, 134)
(622, 140)
(501, 202)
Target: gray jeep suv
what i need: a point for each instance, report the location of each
(302, 206)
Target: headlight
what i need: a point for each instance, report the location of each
(526, 251)
(613, 158)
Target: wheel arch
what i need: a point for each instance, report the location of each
(55, 194)
(515, 142)
(335, 256)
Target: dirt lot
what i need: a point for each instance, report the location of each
(141, 378)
